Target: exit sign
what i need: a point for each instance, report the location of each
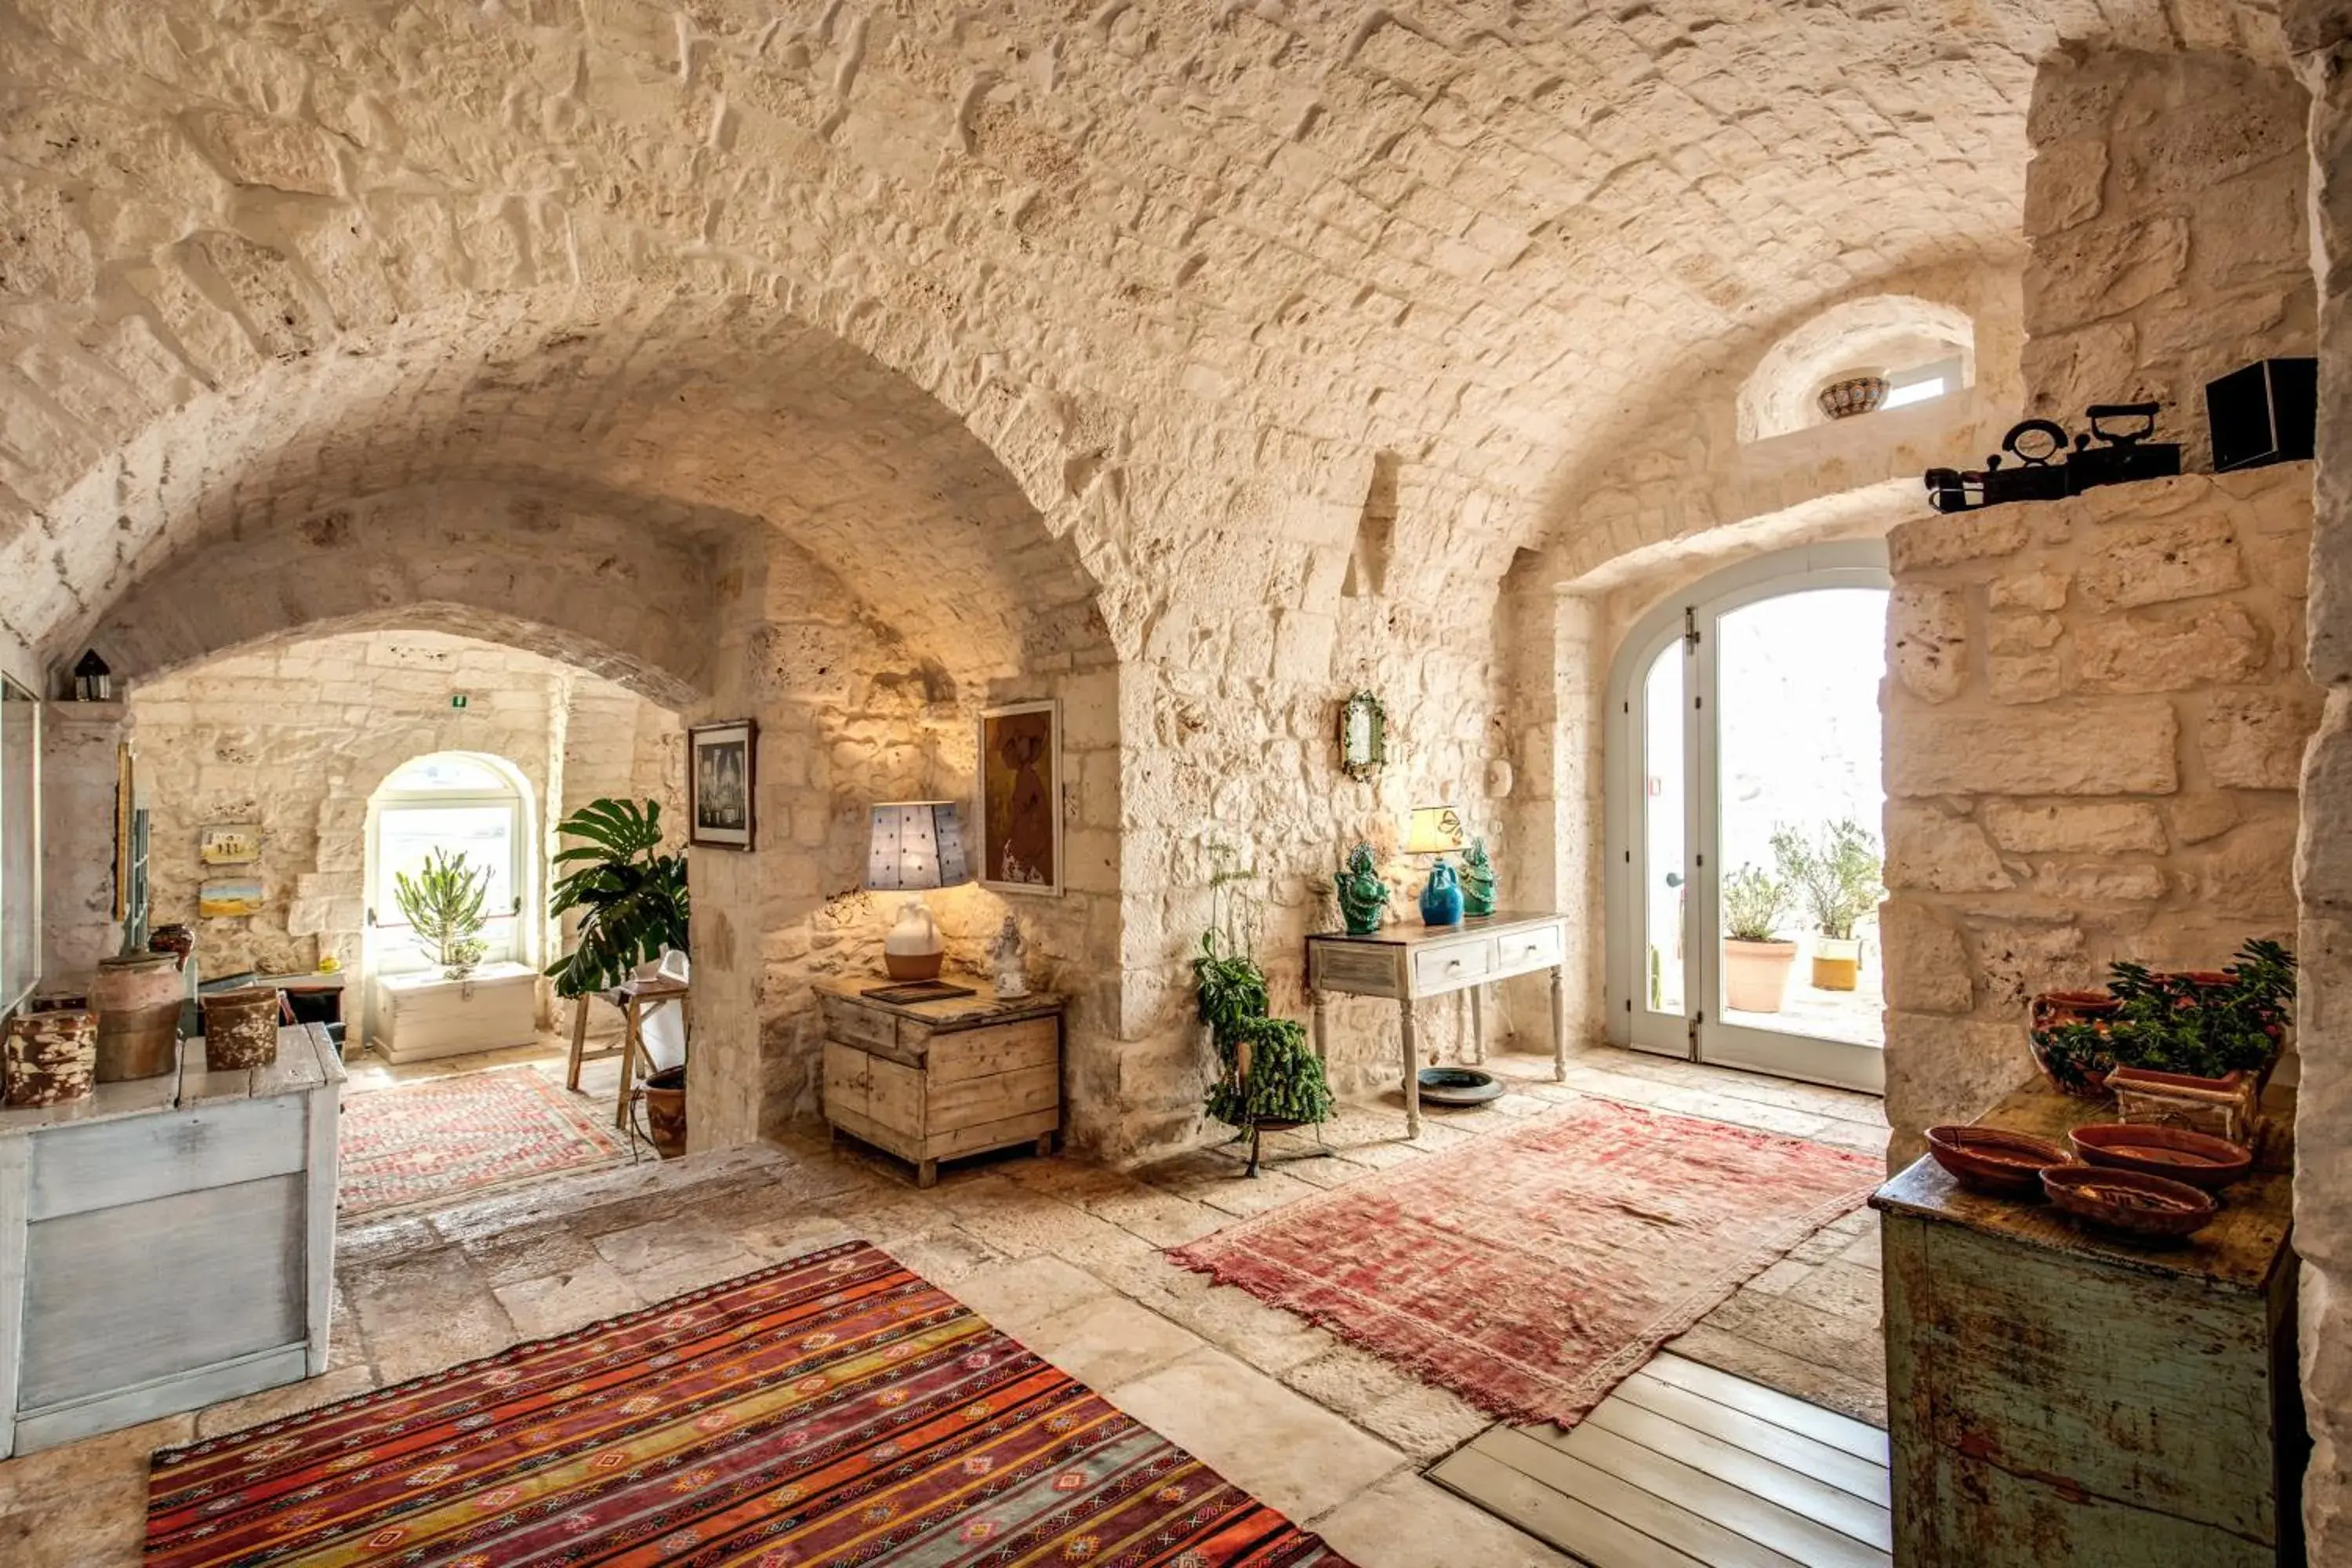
(457, 699)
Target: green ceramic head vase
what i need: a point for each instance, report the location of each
(1362, 894)
(1477, 879)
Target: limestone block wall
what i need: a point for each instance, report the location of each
(2095, 712)
(2165, 207)
(298, 738)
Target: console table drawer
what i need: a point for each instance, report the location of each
(1522, 951)
(1443, 967)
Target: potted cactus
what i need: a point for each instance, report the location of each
(1756, 959)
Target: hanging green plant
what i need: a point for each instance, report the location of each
(443, 905)
(1266, 1070)
(635, 897)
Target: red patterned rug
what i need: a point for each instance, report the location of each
(1533, 1271)
(834, 1409)
(445, 1137)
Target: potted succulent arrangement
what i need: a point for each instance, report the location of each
(1756, 960)
(2210, 1037)
(443, 904)
(1835, 874)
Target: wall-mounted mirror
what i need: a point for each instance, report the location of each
(1363, 736)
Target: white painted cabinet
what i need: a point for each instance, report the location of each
(166, 1243)
(421, 1017)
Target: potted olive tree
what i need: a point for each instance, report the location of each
(1835, 875)
(1756, 960)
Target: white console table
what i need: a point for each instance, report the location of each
(1409, 962)
(166, 1242)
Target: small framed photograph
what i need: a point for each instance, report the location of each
(721, 786)
(1020, 801)
(229, 844)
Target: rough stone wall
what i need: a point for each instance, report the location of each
(299, 738)
(2165, 206)
(2322, 30)
(2095, 713)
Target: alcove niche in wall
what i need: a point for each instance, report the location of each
(1917, 344)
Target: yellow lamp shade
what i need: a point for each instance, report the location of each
(1435, 830)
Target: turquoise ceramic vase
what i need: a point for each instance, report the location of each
(1441, 896)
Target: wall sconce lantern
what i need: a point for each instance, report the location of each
(92, 681)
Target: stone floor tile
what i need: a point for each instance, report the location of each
(675, 1244)
(531, 1252)
(100, 1526)
(1427, 1423)
(1776, 1280)
(947, 1256)
(1161, 1218)
(1824, 1339)
(1017, 1294)
(1861, 1397)
(1406, 1521)
(276, 1404)
(1841, 1290)
(1348, 1381)
(1283, 1448)
(574, 1299)
(1108, 1340)
(424, 1312)
(1265, 1337)
(94, 1463)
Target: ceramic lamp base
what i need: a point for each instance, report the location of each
(1441, 896)
(912, 966)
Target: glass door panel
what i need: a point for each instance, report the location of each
(1796, 740)
(1662, 869)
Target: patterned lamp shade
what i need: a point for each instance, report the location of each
(1435, 830)
(917, 844)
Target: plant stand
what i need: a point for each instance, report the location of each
(1257, 1130)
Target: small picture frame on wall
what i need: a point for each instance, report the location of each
(722, 785)
(229, 844)
(1020, 798)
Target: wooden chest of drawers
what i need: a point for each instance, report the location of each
(935, 1080)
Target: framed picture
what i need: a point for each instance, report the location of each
(1021, 797)
(1363, 736)
(721, 784)
(229, 844)
(227, 897)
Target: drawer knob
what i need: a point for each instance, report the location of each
(1453, 966)
(1533, 947)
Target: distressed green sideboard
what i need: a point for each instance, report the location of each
(2056, 1396)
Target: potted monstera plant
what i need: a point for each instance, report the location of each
(1755, 958)
(1835, 875)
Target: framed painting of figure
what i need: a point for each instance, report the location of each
(722, 783)
(1020, 800)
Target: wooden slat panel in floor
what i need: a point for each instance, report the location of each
(1834, 1428)
(1710, 1484)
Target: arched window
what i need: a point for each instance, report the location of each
(1925, 349)
(466, 805)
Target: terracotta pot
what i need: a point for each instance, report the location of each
(240, 1029)
(1755, 974)
(137, 998)
(1837, 963)
(2048, 1010)
(50, 1058)
(664, 1094)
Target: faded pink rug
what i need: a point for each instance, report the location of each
(1532, 1272)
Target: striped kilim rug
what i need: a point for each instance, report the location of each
(834, 1409)
(1532, 1271)
(447, 1137)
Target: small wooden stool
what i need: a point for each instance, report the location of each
(634, 998)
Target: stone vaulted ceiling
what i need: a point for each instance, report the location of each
(933, 286)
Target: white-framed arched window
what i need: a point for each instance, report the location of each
(463, 803)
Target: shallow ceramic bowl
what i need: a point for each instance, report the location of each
(2175, 1153)
(2148, 1207)
(1988, 1160)
(1459, 1086)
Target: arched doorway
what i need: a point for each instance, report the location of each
(1745, 735)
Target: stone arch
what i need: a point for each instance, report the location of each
(1881, 331)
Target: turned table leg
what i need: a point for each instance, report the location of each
(1319, 1010)
(579, 1041)
(1478, 1024)
(1412, 1072)
(1558, 1025)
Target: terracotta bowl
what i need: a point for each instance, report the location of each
(1988, 1160)
(2175, 1153)
(2148, 1207)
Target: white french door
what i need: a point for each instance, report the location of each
(1746, 707)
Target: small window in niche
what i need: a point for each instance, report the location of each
(1921, 383)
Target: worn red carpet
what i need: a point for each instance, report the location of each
(1532, 1272)
(447, 1137)
(834, 1409)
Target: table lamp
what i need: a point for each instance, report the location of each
(1436, 829)
(917, 844)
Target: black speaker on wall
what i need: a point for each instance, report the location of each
(2266, 413)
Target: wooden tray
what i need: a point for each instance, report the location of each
(1989, 1159)
(2148, 1207)
(2175, 1153)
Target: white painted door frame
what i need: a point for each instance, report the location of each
(1690, 616)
